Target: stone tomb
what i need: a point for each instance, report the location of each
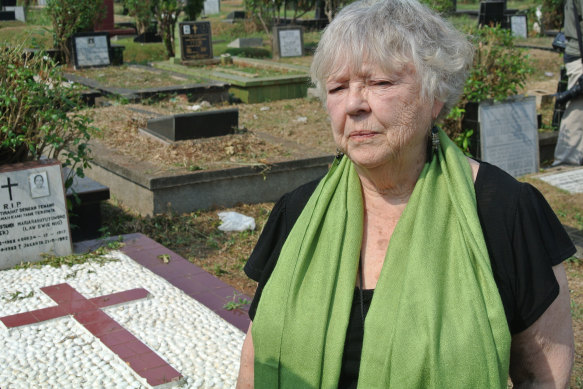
(288, 41)
(246, 42)
(509, 135)
(126, 320)
(33, 213)
(91, 50)
(195, 41)
(570, 180)
(194, 125)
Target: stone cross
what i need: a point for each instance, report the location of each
(144, 361)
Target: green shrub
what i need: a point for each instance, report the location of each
(248, 52)
(39, 113)
(70, 17)
(499, 70)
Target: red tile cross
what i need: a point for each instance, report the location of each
(130, 349)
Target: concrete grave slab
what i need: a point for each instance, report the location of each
(246, 42)
(570, 180)
(128, 319)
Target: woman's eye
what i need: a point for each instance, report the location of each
(335, 89)
(382, 83)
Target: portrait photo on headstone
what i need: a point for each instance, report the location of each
(39, 186)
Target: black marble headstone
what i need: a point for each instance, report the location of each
(7, 15)
(492, 13)
(195, 40)
(195, 125)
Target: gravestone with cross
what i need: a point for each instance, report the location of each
(195, 41)
(33, 212)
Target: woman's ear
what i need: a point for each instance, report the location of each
(437, 106)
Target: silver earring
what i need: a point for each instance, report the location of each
(339, 153)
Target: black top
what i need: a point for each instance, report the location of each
(523, 236)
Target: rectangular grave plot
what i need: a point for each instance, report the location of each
(91, 50)
(195, 125)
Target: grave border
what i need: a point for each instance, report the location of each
(213, 91)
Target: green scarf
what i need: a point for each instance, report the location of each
(436, 319)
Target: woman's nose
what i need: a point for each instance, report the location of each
(357, 101)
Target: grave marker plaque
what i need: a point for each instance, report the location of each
(91, 50)
(196, 40)
(289, 41)
(33, 212)
(212, 7)
(509, 135)
(519, 26)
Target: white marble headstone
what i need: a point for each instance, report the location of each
(509, 135)
(33, 212)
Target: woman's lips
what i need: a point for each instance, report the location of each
(362, 134)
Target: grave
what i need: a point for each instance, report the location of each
(126, 320)
(18, 12)
(491, 13)
(194, 125)
(250, 88)
(509, 135)
(85, 197)
(91, 50)
(288, 41)
(246, 42)
(570, 180)
(33, 213)
(195, 41)
(212, 7)
(210, 90)
(107, 23)
(519, 26)
(234, 16)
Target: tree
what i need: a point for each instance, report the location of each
(142, 12)
(166, 13)
(193, 9)
(70, 17)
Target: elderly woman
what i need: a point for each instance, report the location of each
(408, 265)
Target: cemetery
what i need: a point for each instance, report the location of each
(227, 123)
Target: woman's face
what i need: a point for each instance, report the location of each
(377, 117)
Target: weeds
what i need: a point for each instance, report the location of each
(236, 303)
(18, 295)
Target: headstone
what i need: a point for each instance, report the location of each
(18, 13)
(7, 15)
(106, 23)
(246, 42)
(91, 50)
(195, 40)
(509, 135)
(492, 12)
(288, 41)
(234, 16)
(212, 7)
(519, 26)
(42, 3)
(33, 212)
(194, 125)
